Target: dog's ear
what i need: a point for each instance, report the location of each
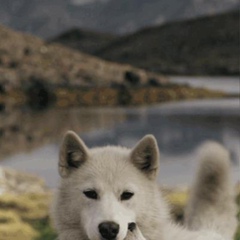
(145, 156)
(73, 154)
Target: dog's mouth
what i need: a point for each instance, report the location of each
(131, 226)
(109, 238)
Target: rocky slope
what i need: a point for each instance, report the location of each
(13, 182)
(38, 73)
(26, 60)
(47, 18)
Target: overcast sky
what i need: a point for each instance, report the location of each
(81, 2)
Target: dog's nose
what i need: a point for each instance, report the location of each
(109, 230)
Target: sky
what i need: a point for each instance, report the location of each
(82, 2)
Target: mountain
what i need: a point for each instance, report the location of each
(48, 18)
(84, 40)
(208, 45)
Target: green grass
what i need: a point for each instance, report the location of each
(46, 232)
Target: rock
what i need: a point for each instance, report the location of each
(24, 207)
(13, 182)
(132, 78)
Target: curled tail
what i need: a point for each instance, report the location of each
(211, 205)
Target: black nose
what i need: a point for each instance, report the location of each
(109, 230)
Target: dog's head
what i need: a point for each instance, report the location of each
(107, 186)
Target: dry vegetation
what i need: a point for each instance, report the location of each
(25, 217)
(126, 96)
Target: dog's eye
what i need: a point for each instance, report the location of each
(92, 194)
(126, 195)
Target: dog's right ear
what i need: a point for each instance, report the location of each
(73, 154)
(145, 156)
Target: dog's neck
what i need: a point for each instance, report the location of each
(159, 216)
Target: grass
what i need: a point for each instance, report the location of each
(26, 217)
(13, 227)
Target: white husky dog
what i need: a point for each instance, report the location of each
(111, 193)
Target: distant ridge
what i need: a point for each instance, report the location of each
(48, 18)
(203, 46)
(84, 40)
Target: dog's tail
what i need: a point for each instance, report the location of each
(211, 204)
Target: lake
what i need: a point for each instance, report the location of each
(227, 84)
(29, 141)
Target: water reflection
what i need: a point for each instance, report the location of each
(178, 127)
(177, 132)
(22, 130)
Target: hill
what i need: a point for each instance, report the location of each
(208, 45)
(84, 40)
(39, 74)
(25, 59)
(47, 18)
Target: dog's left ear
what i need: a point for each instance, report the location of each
(145, 156)
(73, 154)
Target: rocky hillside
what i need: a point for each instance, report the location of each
(47, 18)
(27, 60)
(208, 45)
(39, 74)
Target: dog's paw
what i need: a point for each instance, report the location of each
(134, 233)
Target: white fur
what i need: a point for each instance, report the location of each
(112, 170)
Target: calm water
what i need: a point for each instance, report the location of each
(30, 141)
(227, 84)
